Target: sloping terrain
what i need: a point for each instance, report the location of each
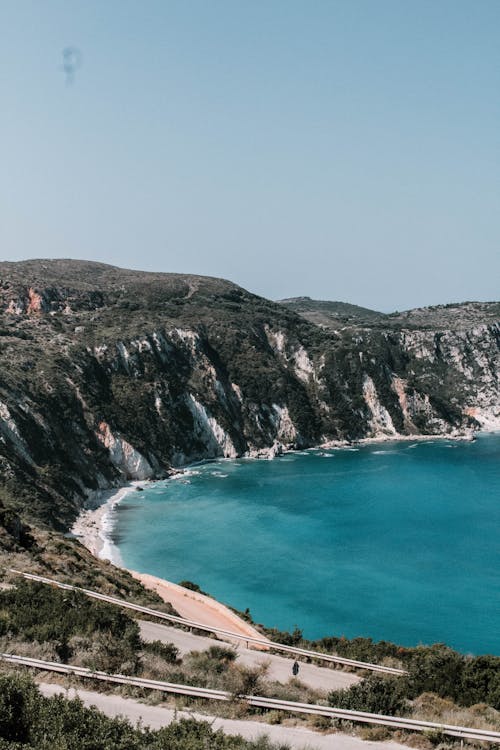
(453, 316)
(331, 314)
(108, 375)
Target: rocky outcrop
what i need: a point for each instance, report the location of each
(124, 456)
(129, 378)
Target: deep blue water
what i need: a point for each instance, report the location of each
(396, 541)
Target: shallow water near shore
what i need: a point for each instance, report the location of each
(394, 541)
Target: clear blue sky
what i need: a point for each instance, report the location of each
(341, 149)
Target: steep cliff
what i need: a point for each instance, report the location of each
(108, 375)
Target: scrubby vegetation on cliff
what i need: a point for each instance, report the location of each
(73, 627)
(438, 669)
(57, 625)
(109, 374)
(68, 627)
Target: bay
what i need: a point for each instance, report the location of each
(396, 541)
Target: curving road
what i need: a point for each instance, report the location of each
(261, 642)
(157, 717)
(279, 669)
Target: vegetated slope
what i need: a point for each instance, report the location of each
(108, 374)
(453, 316)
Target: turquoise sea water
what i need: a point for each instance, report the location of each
(396, 541)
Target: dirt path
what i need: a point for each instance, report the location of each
(156, 717)
(197, 607)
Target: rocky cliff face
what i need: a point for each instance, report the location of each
(108, 375)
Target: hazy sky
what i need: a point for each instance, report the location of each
(337, 149)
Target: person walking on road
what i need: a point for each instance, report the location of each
(295, 668)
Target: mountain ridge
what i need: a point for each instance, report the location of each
(329, 313)
(108, 375)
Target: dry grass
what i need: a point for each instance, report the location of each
(430, 707)
(375, 734)
(32, 649)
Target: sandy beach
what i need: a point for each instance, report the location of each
(94, 524)
(197, 607)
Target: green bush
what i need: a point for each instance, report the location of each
(167, 651)
(464, 679)
(39, 613)
(377, 695)
(481, 681)
(285, 637)
(215, 660)
(362, 649)
(435, 669)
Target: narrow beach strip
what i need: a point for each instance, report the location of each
(94, 524)
(198, 607)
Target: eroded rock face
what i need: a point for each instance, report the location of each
(125, 379)
(128, 460)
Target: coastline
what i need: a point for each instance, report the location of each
(93, 529)
(93, 526)
(95, 523)
(397, 438)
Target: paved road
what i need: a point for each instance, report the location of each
(280, 668)
(156, 717)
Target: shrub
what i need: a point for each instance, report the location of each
(214, 660)
(435, 669)
(274, 717)
(167, 651)
(378, 695)
(481, 681)
(283, 636)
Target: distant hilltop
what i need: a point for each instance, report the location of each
(455, 315)
(324, 312)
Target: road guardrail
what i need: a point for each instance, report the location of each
(217, 631)
(396, 722)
